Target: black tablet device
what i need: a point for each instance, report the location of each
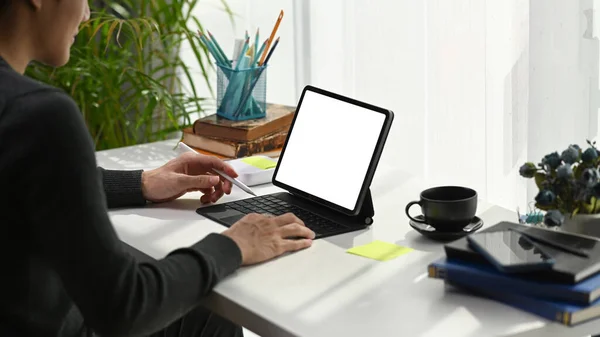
(332, 149)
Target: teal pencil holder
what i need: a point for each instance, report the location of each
(242, 93)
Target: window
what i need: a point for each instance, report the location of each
(478, 86)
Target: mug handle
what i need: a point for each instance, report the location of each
(410, 204)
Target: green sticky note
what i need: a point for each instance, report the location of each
(379, 250)
(260, 162)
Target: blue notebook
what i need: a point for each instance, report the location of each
(558, 311)
(476, 275)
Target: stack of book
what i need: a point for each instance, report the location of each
(229, 139)
(568, 293)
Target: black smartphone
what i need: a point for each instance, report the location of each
(510, 251)
(561, 240)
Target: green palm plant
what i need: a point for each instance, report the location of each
(126, 73)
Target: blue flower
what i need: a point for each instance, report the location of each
(545, 198)
(553, 218)
(552, 160)
(570, 155)
(589, 177)
(564, 171)
(589, 156)
(528, 170)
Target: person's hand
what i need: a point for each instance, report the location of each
(262, 238)
(186, 173)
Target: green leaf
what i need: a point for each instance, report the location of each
(596, 205)
(575, 211)
(589, 207)
(539, 177)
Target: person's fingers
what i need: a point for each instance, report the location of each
(198, 163)
(209, 190)
(206, 194)
(227, 186)
(198, 182)
(287, 219)
(218, 192)
(294, 245)
(219, 164)
(295, 230)
(228, 169)
(215, 197)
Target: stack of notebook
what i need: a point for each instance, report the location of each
(568, 292)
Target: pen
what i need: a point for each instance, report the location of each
(234, 181)
(552, 243)
(271, 51)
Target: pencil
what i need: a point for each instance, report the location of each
(261, 49)
(271, 51)
(255, 45)
(218, 47)
(211, 49)
(262, 58)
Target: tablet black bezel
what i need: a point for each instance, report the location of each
(389, 116)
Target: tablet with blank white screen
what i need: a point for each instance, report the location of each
(332, 149)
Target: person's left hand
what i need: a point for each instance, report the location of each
(186, 173)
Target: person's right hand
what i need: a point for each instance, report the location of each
(262, 238)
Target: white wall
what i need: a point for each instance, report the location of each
(506, 95)
(455, 125)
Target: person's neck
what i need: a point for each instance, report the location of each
(14, 49)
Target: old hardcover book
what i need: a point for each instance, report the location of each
(208, 153)
(279, 118)
(269, 145)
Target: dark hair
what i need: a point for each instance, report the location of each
(4, 5)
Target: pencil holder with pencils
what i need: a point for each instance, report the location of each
(241, 93)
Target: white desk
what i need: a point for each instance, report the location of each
(323, 291)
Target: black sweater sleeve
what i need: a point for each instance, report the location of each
(122, 187)
(116, 295)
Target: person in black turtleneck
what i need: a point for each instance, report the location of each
(64, 271)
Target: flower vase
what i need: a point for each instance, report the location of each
(584, 224)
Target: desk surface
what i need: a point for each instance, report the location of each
(323, 291)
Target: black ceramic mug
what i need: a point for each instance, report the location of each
(446, 208)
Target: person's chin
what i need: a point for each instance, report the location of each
(57, 61)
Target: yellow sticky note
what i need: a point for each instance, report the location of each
(379, 250)
(260, 162)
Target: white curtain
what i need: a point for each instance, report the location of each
(478, 86)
